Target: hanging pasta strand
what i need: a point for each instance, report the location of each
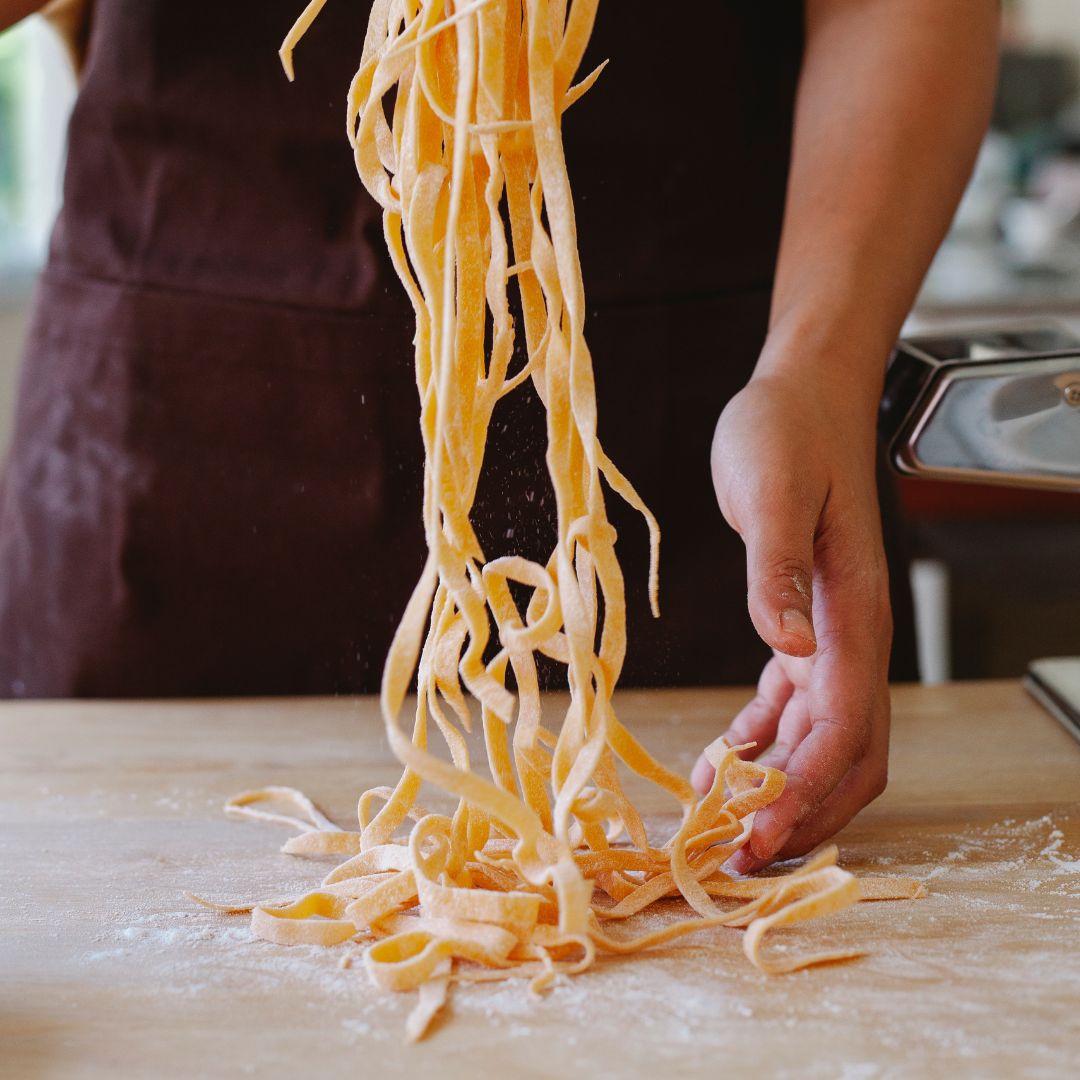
(455, 118)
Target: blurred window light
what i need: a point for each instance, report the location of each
(37, 90)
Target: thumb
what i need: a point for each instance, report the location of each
(779, 577)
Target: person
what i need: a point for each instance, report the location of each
(214, 482)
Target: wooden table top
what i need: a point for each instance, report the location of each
(110, 811)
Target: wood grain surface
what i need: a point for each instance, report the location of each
(110, 812)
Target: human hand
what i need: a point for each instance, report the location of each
(793, 468)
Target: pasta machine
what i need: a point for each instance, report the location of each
(993, 407)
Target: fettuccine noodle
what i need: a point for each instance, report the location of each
(455, 118)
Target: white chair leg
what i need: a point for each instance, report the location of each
(930, 591)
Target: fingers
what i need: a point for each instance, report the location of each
(779, 575)
(817, 591)
(701, 775)
(794, 726)
(756, 722)
(837, 766)
(772, 487)
(814, 770)
(845, 727)
(861, 786)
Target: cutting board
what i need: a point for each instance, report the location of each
(111, 811)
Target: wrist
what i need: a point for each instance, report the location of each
(839, 358)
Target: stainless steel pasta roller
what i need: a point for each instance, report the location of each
(995, 406)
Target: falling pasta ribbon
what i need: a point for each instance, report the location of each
(454, 117)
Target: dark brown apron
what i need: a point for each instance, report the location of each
(214, 485)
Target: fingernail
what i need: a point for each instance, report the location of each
(743, 863)
(772, 850)
(793, 621)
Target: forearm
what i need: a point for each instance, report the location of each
(893, 101)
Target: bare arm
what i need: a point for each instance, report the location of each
(893, 100)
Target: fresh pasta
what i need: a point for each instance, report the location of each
(454, 117)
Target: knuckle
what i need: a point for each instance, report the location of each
(878, 781)
(782, 750)
(855, 734)
(785, 579)
(860, 741)
(760, 704)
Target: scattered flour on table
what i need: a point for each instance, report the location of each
(1023, 854)
(201, 949)
(703, 991)
(1052, 852)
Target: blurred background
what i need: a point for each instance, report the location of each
(997, 572)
